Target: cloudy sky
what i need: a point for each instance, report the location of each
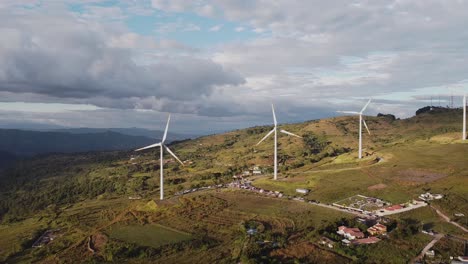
(218, 64)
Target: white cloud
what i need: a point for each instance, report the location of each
(304, 55)
(216, 28)
(239, 29)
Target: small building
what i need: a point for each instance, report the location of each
(251, 231)
(302, 191)
(429, 196)
(346, 242)
(430, 253)
(327, 242)
(377, 229)
(256, 170)
(366, 241)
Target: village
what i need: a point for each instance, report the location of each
(368, 210)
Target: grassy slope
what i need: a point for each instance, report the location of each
(426, 143)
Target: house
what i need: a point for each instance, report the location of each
(430, 253)
(377, 229)
(366, 241)
(350, 233)
(303, 191)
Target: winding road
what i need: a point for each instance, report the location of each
(447, 219)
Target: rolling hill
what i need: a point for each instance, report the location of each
(86, 196)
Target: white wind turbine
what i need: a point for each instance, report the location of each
(162, 147)
(464, 118)
(274, 130)
(361, 121)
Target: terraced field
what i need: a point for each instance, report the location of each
(147, 235)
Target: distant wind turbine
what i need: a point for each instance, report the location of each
(464, 117)
(274, 130)
(162, 147)
(361, 121)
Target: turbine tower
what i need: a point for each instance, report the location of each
(274, 130)
(162, 146)
(361, 122)
(464, 118)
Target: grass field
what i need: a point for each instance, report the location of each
(18, 236)
(148, 235)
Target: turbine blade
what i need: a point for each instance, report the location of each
(165, 131)
(364, 108)
(265, 137)
(148, 147)
(289, 133)
(173, 155)
(348, 112)
(365, 125)
(274, 116)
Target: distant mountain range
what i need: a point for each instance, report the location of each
(133, 131)
(15, 143)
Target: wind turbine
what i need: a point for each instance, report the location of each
(464, 118)
(274, 130)
(361, 121)
(162, 147)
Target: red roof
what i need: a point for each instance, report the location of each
(353, 231)
(394, 207)
(369, 240)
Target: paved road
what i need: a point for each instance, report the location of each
(447, 219)
(342, 210)
(429, 246)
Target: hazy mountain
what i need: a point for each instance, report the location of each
(28, 143)
(133, 131)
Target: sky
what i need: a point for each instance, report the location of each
(217, 65)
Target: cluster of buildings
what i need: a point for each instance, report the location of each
(247, 185)
(354, 236)
(200, 189)
(361, 204)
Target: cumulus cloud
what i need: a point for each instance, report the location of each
(64, 57)
(304, 56)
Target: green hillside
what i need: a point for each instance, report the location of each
(85, 196)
